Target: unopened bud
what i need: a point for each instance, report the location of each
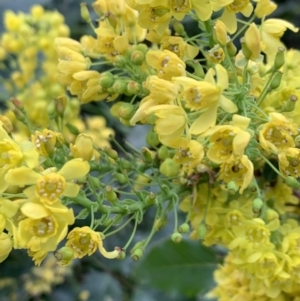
(290, 105)
(142, 47)
(110, 195)
(169, 168)
(64, 256)
(148, 155)
(19, 115)
(73, 129)
(133, 88)
(160, 223)
(152, 138)
(231, 49)
(126, 111)
(220, 33)
(84, 12)
(279, 58)
(137, 254)
(198, 69)
(138, 245)
(125, 164)
(184, 228)
(201, 231)
(122, 255)
(257, 204)
(176, 237)
(178, 27)
(95, 182)
(60, 105)
(120, 61)
(246, 51)
(150, 198)
(292, 182)
(111, 153)
(120, 178)
(137, 58)
(100, 7)
(6, 124)
(163, 152)
(232, 188)
(276, 80)
(17, 103)
(120, 86)
(106, 80)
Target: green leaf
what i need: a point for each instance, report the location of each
(185, 268)
(83, 214)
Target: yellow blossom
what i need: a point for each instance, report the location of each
(83, 147)
(239, 169)
(264, 8)
(289, 160)
(6, 246)
(48, 186)
(84, 241)
(276, 135)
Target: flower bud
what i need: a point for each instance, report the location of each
(100, 7)
(111, 153)
(246, 51)
(184, 228)
(120, 86)
(169, 168)
(73, 129)
(106, 80)
(6, 124)
(232, 188)
(64, 256)
(84, 12)
(220, 33)
(292, 182)
(110, 195)
(176, 237)
(125, 164)
(83, 147)
(137, 58)
(138, 245)
(122, 255)
(126, 111)
(231, 49)
(60, 105)
(120, 178)
(142, 47)
(19, 115)
(252, 41)
(148, 154)
(95, 182)
(160, 223)
(17, 103)
(120, 61)
(133, 88)
(152, 138)
(257, 204)
(163, 152)
(279, 58)
(178, 27)
(137, 254)
(290, 105)
(276, 80)
(6, 246)
(201, 231)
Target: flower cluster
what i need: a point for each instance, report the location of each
(223, 139)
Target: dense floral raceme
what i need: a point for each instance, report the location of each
(222, 143)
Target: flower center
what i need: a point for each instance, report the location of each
(51, 186)
(258, 235)
(180, 5)
(237, 5)
(43, 227)
(81, 243)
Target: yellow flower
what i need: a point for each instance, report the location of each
(12, 22)
(84, 241)
(253, 41)
(49, 185)
(264, 8)
(229, 15)
(271, 31)
(239, 169)
(43, 228)
(14, 155)
(83, 147)
(228, 139)
(8, 209)
(166, 63)
(276, 135)
(289, 161)
(206, 95)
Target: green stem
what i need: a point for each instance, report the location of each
(132, 234)
(175, 213)
(120, 228)
(92, 218)
(264, 92)
(271, 165)
(232, 67)
(243, 28)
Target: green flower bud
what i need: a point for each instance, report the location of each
(133, 88)
(125, 164)
(232, 188)
(137, 58)
(178, 27)
(111, 153)
(64, 256)
(290, 105)
(150, 198)
(292, 182)
(198, 69)
(151, 119)
(142, 47)
(276, 80)
(138, 245)
(137, 254)
(110, 195)
(95, 182)
(120, 61)
(184, 228)
(120, 178)
(279, 58)
(201, 231)
(257, 204)
(176, 237)
(84, 12)
(163, 152)
(106, 80)
(126, 111)
(122, 255)
(120, 86)
(129, 52)
(152, 138)
(169, 168)
(148, 155)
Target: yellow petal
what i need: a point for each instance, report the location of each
(202, 9)
(240, 141)
(71, 190)
(229, 19)
(74, 169)
(22, 176)
(222, 76)
(30, 155)
(240, 121)
(34, 210)
(227, 104)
